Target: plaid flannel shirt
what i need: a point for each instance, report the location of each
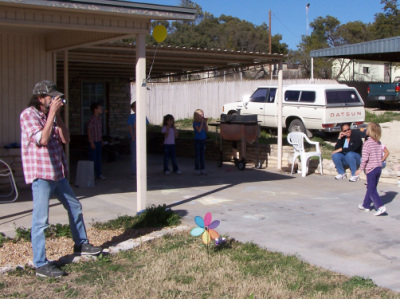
(46, 162)
(95, 129)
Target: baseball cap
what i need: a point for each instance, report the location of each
(46, 88)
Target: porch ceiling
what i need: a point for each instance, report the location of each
(118, 59)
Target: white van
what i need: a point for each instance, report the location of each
(304, 107)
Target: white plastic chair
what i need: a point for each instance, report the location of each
(296, 139)
(5, 171)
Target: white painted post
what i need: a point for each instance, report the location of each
(141, 156)
(312, 68)
(280, 97)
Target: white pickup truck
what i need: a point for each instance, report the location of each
(305, 107)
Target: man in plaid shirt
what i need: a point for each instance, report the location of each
(42, 134)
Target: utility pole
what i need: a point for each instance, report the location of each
(269, 42)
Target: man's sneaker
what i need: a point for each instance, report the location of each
(354, 178)
(341, 176)
(361, 207)
(179, 172)
(197, 172)
(203, 172)
(380, 211)
(167, 172)
(49, 270)
(87, 249)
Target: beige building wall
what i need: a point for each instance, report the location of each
(23, 62)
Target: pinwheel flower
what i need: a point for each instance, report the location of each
(206, 228)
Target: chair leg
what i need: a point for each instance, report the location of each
(304, 168)
(294, 160)
(320, 166)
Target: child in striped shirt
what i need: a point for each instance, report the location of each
(371, 163)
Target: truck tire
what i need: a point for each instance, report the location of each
(297, 125)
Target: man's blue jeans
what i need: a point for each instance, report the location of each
(95, 156)
(42, 190)
(350, 159)
(169, 152)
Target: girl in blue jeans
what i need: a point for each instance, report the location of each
(200, 135)
(170, 133)
(371, 163)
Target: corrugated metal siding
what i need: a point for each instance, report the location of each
(387, 45)
(23, 62)
(182, 99)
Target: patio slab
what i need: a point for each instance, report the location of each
(315, 218)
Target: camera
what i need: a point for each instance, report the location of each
(64, 101)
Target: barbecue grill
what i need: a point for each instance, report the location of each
(243, 128)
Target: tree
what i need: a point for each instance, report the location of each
(387, 24)
(224, 32)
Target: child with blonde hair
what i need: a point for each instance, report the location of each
(200, 135)
(371, 163)
(170, 133)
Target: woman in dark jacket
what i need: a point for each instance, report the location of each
(348, 152)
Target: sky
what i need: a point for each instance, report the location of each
(288, 17)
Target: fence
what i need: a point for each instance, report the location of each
(183, 98)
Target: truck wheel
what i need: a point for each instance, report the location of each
(233, 113)
(297, 125)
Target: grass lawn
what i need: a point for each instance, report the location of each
(180, 266)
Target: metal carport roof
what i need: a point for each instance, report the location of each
(387, 49)
(119, 58)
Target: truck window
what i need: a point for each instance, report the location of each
(342, 97)
(292, 95)
(259, 96)
(307, 96)
(271, 96)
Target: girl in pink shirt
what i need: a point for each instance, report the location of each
(170, 133)
(371, 163)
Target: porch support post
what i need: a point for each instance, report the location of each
(141, 154)
(280, 97)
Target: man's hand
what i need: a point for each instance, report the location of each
(56, 105)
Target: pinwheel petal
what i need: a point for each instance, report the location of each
(213, 234)
(214, 224)
(197, 231)
(207, 219)
(206, 238)
(199, 221)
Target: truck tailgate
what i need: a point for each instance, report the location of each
(339, 115)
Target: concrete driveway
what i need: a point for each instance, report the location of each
(315, 218)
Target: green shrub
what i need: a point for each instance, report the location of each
(153, 216)
(3, 239)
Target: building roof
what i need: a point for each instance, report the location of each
(153, 11)
(387, 49)
(119, 59)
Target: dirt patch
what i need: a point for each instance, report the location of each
(20, 253)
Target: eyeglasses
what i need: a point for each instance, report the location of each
(344, 131)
